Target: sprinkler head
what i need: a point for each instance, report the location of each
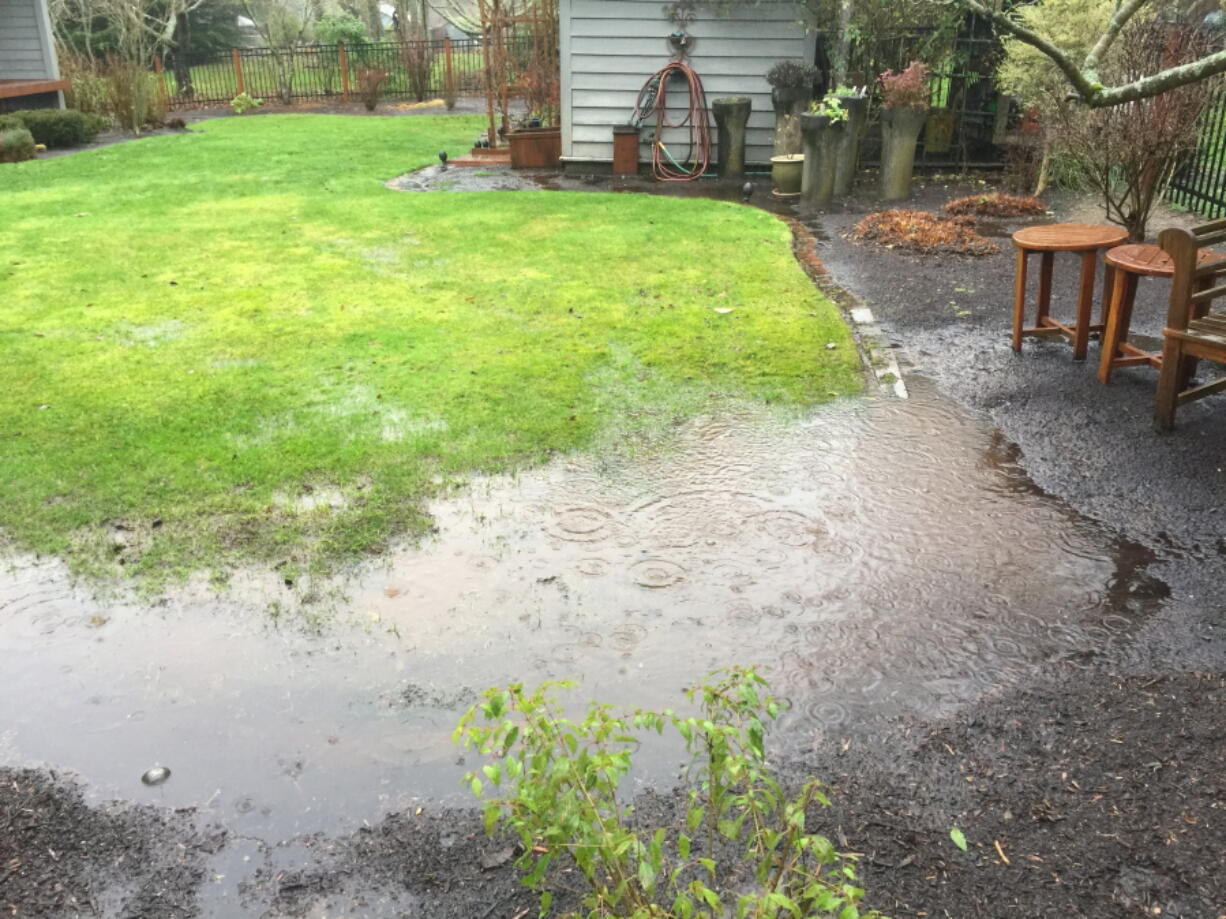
(747, 192)
(442, 158)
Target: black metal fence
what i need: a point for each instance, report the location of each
(1199, 183)
(968, 119)
(416, 70)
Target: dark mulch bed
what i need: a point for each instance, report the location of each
(60, 857)
(1107, 799)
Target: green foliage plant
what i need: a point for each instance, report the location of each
(831, 106)
(743, 848)
(345, 28)
(243, 102)
(16, 145)
(57, 127)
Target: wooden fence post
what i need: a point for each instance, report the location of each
(237, 58)
(448, 74)
(162, 91)
(343, 57)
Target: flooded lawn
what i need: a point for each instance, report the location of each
(888, 563)
(877, 558)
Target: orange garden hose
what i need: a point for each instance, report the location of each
(653, 97)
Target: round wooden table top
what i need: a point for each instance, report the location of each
(1069, 237)
(1147, 259)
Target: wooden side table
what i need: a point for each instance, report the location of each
(1086, 239)
(1127, 264)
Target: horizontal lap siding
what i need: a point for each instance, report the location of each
(22, 55)
(611, 47)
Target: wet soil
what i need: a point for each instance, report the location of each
(1026, 644)
(61, 857)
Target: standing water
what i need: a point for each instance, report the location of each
(876, 559)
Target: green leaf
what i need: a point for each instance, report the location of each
(476, 786)
(647, 876)
(683, 846)
(546, 901)
(694, 818)
(958, 837)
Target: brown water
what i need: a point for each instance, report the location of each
(877, 558)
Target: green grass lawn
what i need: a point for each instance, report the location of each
(199, 332)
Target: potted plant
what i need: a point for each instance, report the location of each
(791, 84)
(904, 109)
(787, 174)
(534, 146)
(854, 103)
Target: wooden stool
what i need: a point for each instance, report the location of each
(1125, 264)
(1084, 238)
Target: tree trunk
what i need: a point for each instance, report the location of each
(182, 53)
(374, 20)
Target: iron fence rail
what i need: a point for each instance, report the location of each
(1199, 183)
(417, 70)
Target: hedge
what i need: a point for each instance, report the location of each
(55, 127)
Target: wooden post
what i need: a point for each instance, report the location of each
(343, 57)
(162, 90)
(487, 36)
(448, 76)
(237, 59)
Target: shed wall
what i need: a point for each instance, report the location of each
(25, 41)
(611, 47)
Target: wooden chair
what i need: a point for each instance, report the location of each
(1193, 331)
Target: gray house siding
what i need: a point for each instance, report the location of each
(27, 50)
(611, 47)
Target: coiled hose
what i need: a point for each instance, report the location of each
(653, 99)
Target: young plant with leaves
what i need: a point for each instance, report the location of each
(743, 849)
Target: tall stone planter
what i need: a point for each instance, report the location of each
(731, 116)
(848, 154)
(822, 138)
(789, 102)
(900, 130)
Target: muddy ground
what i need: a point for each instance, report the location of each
(1074, 734)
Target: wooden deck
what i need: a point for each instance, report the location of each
(12, 89)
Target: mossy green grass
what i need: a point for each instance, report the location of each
(237, 345)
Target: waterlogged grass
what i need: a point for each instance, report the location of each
(237, 344)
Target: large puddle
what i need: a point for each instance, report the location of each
(878, 558)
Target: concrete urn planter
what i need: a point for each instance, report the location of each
(848, 153)
(731, 117)
(789, 102)
(900, 130)
(822, 138)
